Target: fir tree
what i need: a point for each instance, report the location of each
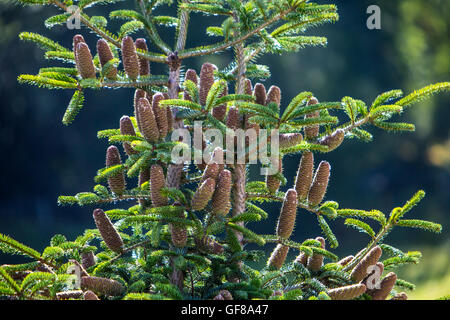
(185, 233)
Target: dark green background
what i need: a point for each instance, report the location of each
(41, 158)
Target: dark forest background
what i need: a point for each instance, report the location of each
(42, 159)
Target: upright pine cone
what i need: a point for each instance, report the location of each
(192, 76)
(87, 259)
(116, 182)
(386, 286)
(109, 234)
(347, 292)
(288, 213)
(221, 199)
(320, 184)
(203, 194)
(206, 81)
(287, 140)
(211, 171)
(304, 175)
(83, 60)
(273, 95)
(104, 55)
(272, 182)
(160, 115)
(89, 295)
(144, 64)
(126, 128)
(102, 286)
(129, 58)
(259, 92)
(146, 121)
(278, 256)
(248, 87)
(302, 258)
(178, 233)
(220, 111)
(359, 272)
(311, 132)
(76, 40)
(233, 118)
(316, 260)
(157, 182)
(138, 94)
(334, 140)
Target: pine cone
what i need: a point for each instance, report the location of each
(334, 140)
(287, 140)
(272, 183)
(304, 175)
(84, 62)
(76, 40)
(105, 55)
(203, 194)
(360, 271)
(89, 295)
(206, 81)
(138, 94)
(400, 296)
(71, 294)
(344, 261)
(288, 213)
(144, 64)
(211, 171)
(102, 286)
(248, 87)
(302, 258)
(126, 128)
(320, 184)
(157, 182)
(312, 132)
(192, 76)
(273, 95)
(178, 234)
(316, 260)
(260, 94)
(347, 292)
(116, 182)
(226, 294)
(109, 234)
(221, 199)
(147, 121)
(386, 286)
(220, 111)
(129, 58)
(233, 118)
(87, 259)
(160, 115)
(278, 256)
(169, 117)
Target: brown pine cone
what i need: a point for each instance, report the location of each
(116, 182)
(105, 55)
(102, 286)
(334, 140)
(144, 64)
(203, 194)
(89, 295)
(129, 58)
(221, 199)
(157, 182)
(286, 221)
(311, 132)
(259, 92)
(147, 121)
(320, 184)
(84, 63)
(206, 81)
(347, 292)
(273, 95)
(359, 272)
(315, 262)
(109, 234)
(304, 175)
(160, 115)
(278, 256)
(126, 128)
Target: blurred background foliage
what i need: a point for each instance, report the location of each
(42, 159)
